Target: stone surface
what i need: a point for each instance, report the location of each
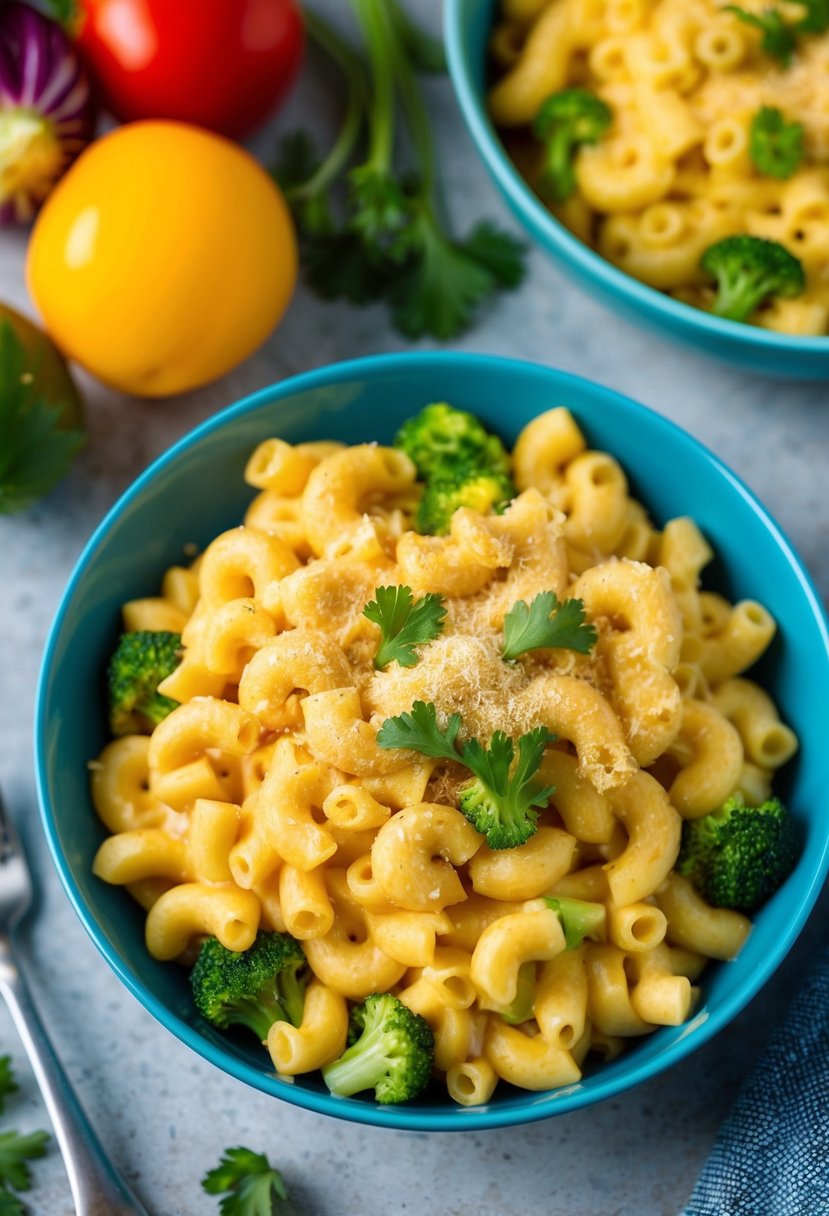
(164, 1114)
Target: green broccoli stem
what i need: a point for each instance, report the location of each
(739, 295)
(558, 177)
(361, 1065)
(257, 1013)
(292, 994)
(352, 70)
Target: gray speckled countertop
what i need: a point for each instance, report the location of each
(164, 1114)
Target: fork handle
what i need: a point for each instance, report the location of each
(96, 1188)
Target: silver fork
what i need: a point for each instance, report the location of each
(96, 1188)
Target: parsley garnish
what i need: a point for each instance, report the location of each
(547, 623)
(390, 241)
(36, 448)
(500, 802)
(15, 1150)
(8, 1085)
(404, 623)
(816, 20)
(778, 36)
(250, 1185)
(775, 146)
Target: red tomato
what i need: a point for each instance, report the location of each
(223, 64)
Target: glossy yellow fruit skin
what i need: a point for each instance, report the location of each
(163, 258)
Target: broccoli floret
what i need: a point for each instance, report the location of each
(501, 801)
(564, 122)
(391, 1052)
(140, 662)
(441, 440)
(579, 919)
(254, 987)
(749, 270)
(475, 488)
(739, 855)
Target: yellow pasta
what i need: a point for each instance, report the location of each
(266, 801)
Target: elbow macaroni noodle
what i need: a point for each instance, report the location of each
(263, 801)
(673, 175)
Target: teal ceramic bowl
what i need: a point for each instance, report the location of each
(467, 24)
(196, 490)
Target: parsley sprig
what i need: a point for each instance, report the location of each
(249, 1183)
(501, 800)
(404, 623)
(16, 1150)
(391, 241)
(779, 35)
(775, 146)
(547, 623)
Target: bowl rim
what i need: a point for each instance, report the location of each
(453, 1118)
(586, 262)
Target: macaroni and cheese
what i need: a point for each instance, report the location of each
(710, 134)
(265, 799)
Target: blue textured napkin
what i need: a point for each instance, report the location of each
(771, 1156)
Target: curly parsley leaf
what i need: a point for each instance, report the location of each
(546, 623)
(15, 1151)
(500, 801)
(419, 732)
(499, 252)
(249, 1183)
(816, 20)
(8, 1085)
(775, 146)
(404, 623)
(442, 282)
(778, 36)
(36, 449)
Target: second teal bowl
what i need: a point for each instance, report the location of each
(467, 24)
(196, 490)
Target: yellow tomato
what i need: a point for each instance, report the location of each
(163, 258)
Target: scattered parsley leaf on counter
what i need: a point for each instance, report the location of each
(10, 1205)
(390, 241)
(15, 1151)
(500, 802)
(775, 146)
(547, 623)
(8, 1085)
(778, 36)
(404, 623)
(249, 1183)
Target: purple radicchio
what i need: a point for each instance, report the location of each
(46, 108)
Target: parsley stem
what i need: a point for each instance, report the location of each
(412, 101)
(373, 16)
(352, 68)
